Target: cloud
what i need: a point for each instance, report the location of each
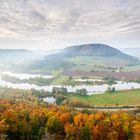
(68, 19)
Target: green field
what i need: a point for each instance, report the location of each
(101, 64)
(89, 64)
(120, 98)
(131, 67)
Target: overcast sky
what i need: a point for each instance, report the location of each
(53, 24)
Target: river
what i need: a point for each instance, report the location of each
(92, 89)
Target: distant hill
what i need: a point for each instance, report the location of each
(13, 51)
(132, 51)
(10, 55)
(85, 57)
(21, 60)
(97, 50)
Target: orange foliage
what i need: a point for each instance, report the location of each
(25, 120)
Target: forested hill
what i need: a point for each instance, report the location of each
(97, 50)
(80, 55)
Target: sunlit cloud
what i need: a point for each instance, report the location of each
(68, 20)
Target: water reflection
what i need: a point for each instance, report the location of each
(26, 76)
(49, 99)
(95, 89)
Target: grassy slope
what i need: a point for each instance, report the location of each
(132, 68)
(100, 64)
(130, 97)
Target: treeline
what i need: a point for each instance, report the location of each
(37, 96)
(29, 121)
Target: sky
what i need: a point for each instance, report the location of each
(55, 24)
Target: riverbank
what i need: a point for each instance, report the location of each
(28, 81)
(91, 89)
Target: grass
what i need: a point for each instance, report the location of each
(60, 80)
(86, 65)
(132, 68)
(101, 64)
(87, 60)
(121, 98)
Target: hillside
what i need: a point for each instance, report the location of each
(87, 57)
(96, 50)
(10, 55)
(13, 51)
(132, 51)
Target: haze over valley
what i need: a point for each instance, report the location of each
(87, 64)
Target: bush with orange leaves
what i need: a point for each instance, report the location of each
(26, 120)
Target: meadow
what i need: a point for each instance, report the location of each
(119, 98)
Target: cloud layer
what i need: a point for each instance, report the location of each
(69, 20)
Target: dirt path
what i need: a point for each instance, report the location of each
(109, 109)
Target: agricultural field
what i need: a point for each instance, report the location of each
(124, 76)
(107, 64)
(23, 116)
(120, 98)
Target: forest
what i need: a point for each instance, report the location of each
(24, 117)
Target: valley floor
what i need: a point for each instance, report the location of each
(118, 98)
